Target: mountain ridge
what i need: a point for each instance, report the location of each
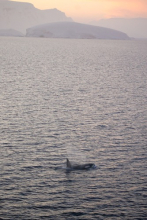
(22, 15)
(133, 27)
(74, 30)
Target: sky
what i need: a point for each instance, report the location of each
(93, 10)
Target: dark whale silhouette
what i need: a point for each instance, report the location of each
(85, 166)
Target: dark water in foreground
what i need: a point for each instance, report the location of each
(81, 99)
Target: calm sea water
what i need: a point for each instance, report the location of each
(85, 100)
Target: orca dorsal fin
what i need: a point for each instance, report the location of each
(68, 164)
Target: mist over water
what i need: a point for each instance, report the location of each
(85, 100)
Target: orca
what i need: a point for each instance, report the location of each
(85, 166)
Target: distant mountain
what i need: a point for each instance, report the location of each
(133, 27)
(21, 15)
(74, 30)
(10, 32)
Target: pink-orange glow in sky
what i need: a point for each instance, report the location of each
(88, 10)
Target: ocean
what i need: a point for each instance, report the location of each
(85, 100)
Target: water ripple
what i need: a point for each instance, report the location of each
(85, 100)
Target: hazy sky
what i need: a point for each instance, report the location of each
(88, 10)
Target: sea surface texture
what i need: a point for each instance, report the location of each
(85, 100)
